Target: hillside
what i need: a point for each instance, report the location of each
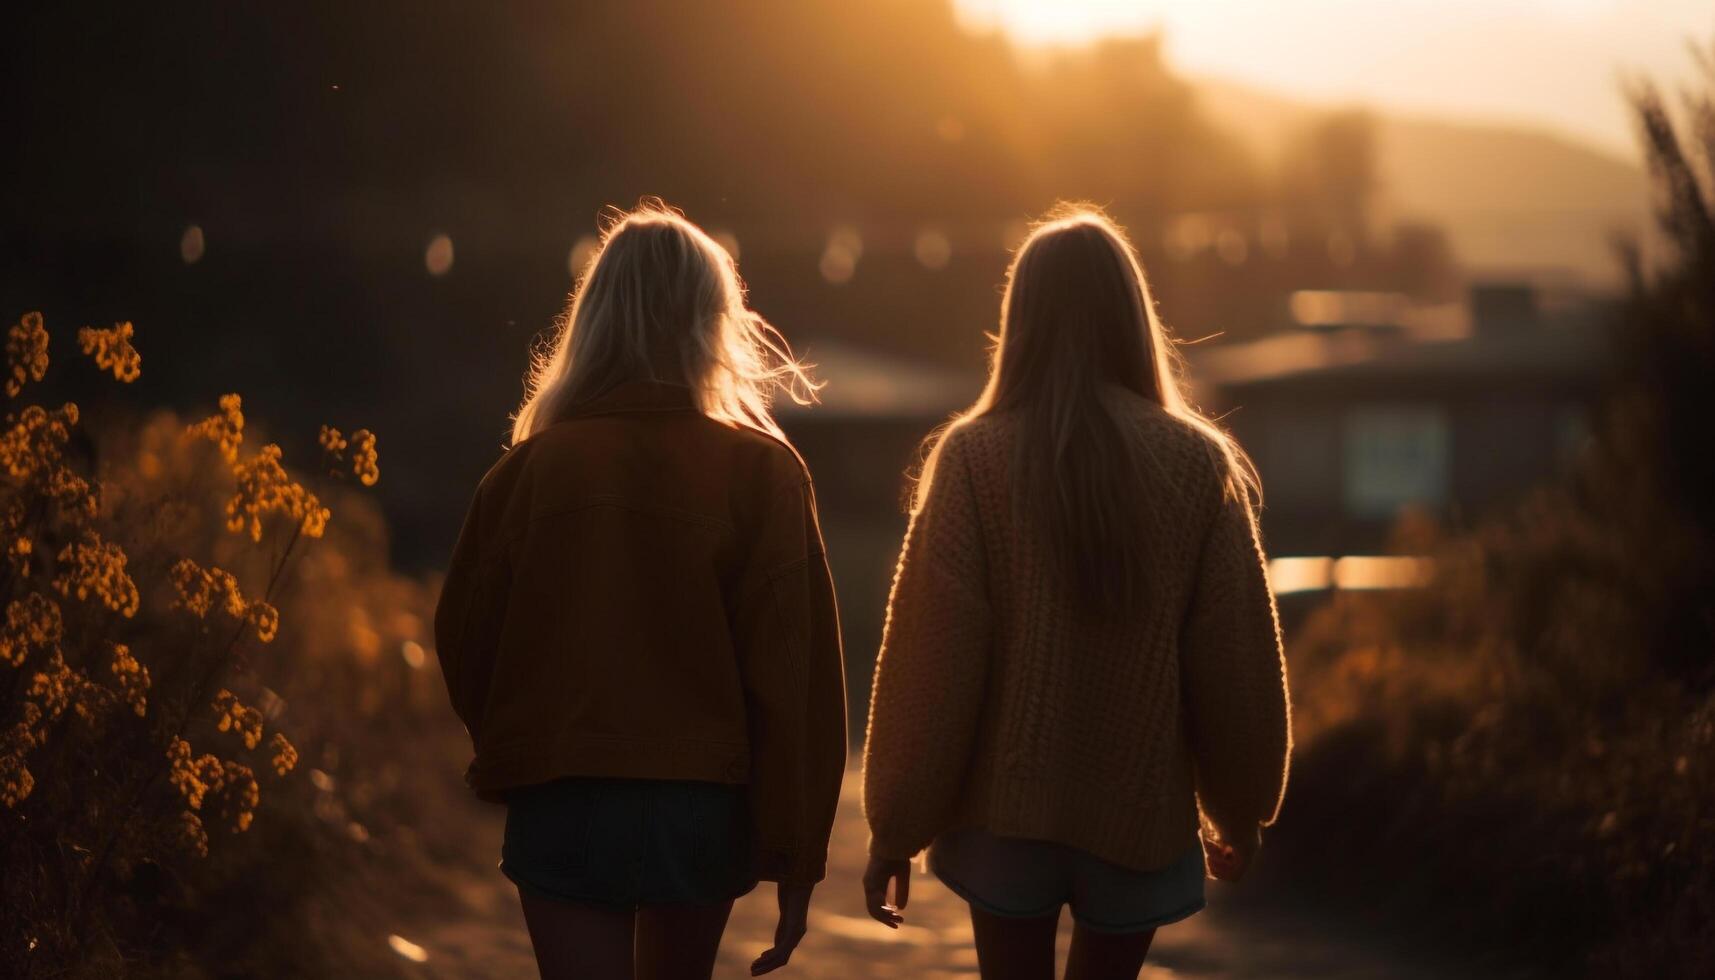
(1509, 197)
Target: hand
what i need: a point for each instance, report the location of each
(1229, 857)
(794, 922)
(875, 878)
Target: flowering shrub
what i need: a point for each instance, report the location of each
(139, 588)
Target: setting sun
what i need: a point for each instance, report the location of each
(1551, 60)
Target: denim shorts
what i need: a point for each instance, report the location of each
(1018, 878)
(629, 842)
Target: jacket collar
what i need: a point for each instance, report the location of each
(637, 396)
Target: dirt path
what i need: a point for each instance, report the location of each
(481, 934)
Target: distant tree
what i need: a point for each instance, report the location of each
(1329, 177)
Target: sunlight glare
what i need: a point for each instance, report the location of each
(583, 250)
(438, 257)
(1287, 575)
(408, 949)
(727, 240)
(840, 257)
(1552, 61)
(932, 248)
(191, 245)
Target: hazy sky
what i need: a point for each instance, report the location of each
(1552, 62)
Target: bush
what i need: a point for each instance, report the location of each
(1517, 758)
(181, 620)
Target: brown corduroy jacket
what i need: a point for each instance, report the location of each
(640, 591)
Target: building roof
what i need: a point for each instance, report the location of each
(1568, 349)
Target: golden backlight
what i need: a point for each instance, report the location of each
(1549, 61)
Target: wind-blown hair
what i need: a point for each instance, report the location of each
(1077, 317)
(661, 300)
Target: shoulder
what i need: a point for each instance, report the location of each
(506, 470)
(975, 440)
(765, 456)
(1188, 451)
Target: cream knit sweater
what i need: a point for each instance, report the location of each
(997, 705)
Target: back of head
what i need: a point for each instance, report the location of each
(661, 301)
(1077, 321)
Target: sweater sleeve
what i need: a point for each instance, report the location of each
(787, 634)
(932, 670)
(1235, 677)
(467, 618)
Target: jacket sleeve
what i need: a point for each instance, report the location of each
(1234, 676)
(932, 670)
(787, 636)
(467, 618)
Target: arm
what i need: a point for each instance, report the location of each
(1234, 677)
(930, 676)
(787, 633)
(466, 617)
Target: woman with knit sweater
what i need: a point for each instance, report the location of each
(1081, 698)
(638, 626)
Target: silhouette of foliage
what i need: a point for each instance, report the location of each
(125, 743)
(1520, 754)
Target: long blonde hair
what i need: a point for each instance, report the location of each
(661, 300)
(1077, 315)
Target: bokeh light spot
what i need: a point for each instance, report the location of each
(1231, 246)
(582, 253)
(840, 256)
(727, 240)
(412, 653)
(191, 245)
(932, 249)
(408, 949)
(438, 257)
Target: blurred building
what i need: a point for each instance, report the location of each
(1371, 406)
(862, 440)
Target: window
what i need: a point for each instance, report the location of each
(1394, 456)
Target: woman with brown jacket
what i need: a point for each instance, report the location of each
(638, 626)
(1081, 657)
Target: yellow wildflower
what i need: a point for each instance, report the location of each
(112, 350)
(26, 353)
(192, 834)
(225, 430)
(93, 567)
(71, 492)
(362, 459)
(365, 461)
(285, 754)
(58, 686)
(244, 793)
(265, 618)
(31, 622)
(35, 438)
(265, 488)
(201, 589)
(16, 781)
(236, 717)
(195, 777)
(133, 678)
(332, 443)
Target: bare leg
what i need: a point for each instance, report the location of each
(1015, 949)
(679, 942)
(1107, 956)
(579, 941)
